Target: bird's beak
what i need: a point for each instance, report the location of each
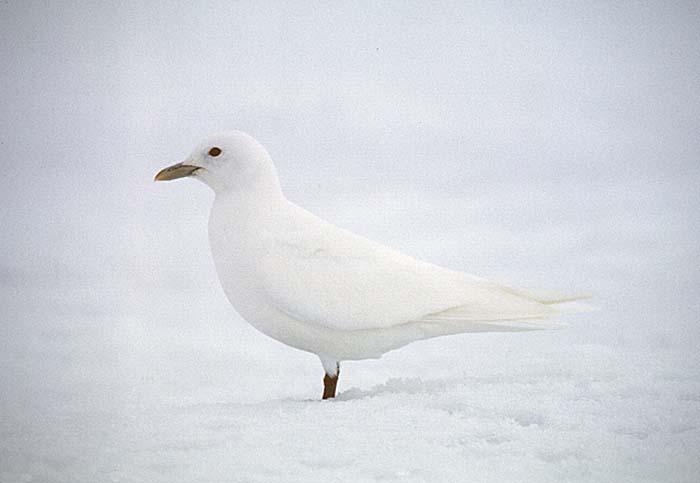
(179, 170)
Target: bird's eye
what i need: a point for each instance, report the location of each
(214, 152)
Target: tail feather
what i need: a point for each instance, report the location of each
(547, 298)
(528, 310)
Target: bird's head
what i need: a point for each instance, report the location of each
(227, 161)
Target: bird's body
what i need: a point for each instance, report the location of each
(325, 290)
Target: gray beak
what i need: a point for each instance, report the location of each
(179, 170)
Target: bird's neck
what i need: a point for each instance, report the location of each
(255, 204)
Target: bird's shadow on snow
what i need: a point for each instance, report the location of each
(391, 386)
(399, 386)
(394, 385)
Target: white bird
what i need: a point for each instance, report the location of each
(322, 289)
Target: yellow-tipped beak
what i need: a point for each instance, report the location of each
(179, 170)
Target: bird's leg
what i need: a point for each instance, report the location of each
(330, 381)
(331, 366)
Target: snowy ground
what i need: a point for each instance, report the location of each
(533, 421)
(577, 413)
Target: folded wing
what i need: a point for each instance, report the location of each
(336, 279)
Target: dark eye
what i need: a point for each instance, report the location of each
(214, 152)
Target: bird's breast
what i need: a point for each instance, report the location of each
(239, 246)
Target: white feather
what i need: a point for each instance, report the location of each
(323, 289)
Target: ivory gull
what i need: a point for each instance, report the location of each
(323, 289)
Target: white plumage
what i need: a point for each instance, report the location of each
(323, 289)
